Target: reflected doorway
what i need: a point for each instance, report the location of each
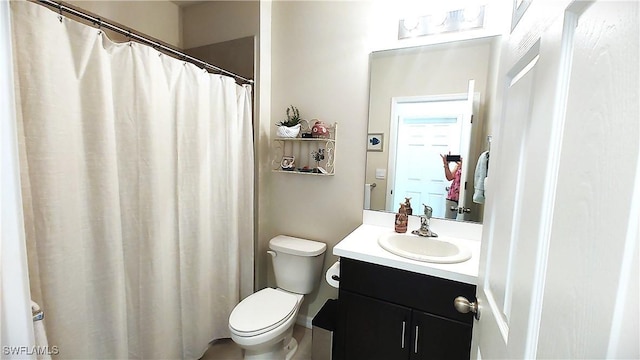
(422, 128)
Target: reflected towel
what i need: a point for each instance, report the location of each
(479, 178)
(367, 196)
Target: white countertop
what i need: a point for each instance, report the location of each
(362, 244)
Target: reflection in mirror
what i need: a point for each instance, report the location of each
(431, 136)
(426, 102)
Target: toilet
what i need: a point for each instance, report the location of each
(262, 323)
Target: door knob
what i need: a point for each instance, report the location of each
(464, 306)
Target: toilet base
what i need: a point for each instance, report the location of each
(291, 348)
(279, 351)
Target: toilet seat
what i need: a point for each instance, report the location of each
(263, 311)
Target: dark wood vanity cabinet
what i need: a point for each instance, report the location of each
(387, 313)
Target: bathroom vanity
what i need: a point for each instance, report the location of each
(390, 307)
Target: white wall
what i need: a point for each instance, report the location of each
(217, 21)
(158, 19)
(262, 136)
(320, 55)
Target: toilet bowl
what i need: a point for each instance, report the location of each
(262, 323)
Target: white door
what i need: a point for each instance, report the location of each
(559, 260)
(423, 128)
(419, 172)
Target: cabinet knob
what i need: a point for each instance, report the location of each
(464, 306)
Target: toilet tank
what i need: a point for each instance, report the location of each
(297, 263)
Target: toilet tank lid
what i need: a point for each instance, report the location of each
(297, 246)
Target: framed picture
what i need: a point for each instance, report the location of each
(375, 142)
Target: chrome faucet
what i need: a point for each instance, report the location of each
(424, 223)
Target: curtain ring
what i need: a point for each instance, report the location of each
(60, 11)
(99, 23)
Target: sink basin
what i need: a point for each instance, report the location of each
(440, 250)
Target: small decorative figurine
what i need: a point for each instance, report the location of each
(318, 156)
(402, 220)
(288, 163)
(407, 204)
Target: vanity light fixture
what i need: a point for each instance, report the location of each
(471, 13)
(442, 22)
(439, 18)
(411, 23)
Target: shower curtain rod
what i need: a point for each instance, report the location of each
(140, 38)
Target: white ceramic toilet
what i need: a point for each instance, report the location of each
(262, 324)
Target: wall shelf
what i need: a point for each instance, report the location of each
(303, 151)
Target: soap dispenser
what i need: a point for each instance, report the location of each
(402, 220)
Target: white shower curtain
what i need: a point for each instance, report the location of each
(137, 179)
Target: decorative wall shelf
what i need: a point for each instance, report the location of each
(304, 151)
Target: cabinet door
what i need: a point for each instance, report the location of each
(435, 337)
(374, 329)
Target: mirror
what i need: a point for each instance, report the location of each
(423, 102)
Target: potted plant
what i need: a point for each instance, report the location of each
(318, 156)
(289, 128)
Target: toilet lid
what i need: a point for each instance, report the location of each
(262, 310)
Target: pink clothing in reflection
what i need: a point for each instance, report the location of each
(454, 189)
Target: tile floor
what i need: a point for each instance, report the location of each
(226, 349)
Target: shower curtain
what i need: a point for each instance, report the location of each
(137, 180)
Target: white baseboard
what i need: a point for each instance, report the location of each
(304, 321)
